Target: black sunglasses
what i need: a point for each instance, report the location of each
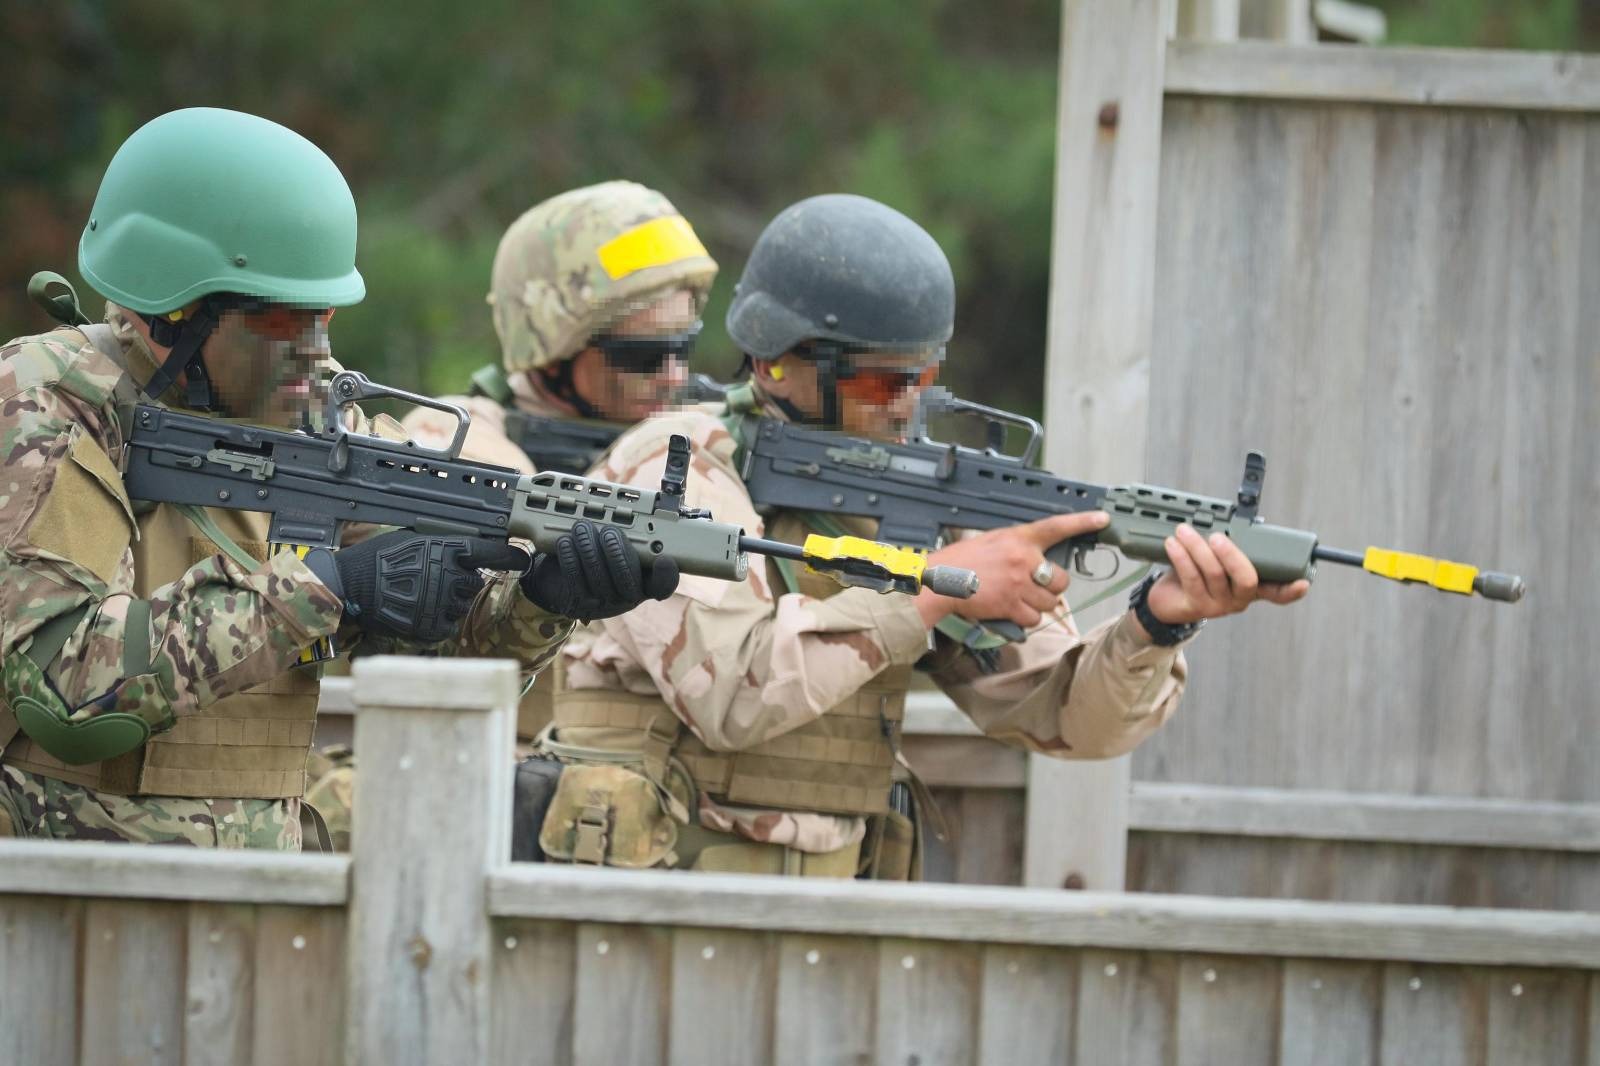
(645, 355)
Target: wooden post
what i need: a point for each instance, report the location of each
(432, 817)
(1208, 20)
(1102, 292)
(1287, 21)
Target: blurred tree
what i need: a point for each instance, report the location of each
(451, 118)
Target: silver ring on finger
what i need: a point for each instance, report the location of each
(1044, 573)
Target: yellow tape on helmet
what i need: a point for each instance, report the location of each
(659, 242)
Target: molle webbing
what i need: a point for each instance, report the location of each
(840, 763)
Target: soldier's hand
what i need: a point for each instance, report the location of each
(596, 573)
(412, 586)
(1210, 579)
(1010, 563)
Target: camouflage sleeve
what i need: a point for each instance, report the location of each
(738, 663)
(1058, 693)
(67, 528)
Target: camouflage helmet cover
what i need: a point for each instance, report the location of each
(576, 263)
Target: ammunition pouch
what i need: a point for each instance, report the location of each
(608, 815)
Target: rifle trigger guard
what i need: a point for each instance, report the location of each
(1080, 562)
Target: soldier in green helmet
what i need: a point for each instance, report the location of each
(149, 688)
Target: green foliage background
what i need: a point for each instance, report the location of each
(449, 119)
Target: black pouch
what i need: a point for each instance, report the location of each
(533, 788)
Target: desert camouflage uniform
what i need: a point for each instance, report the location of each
(551, 291)
(216, 630)
(741, 663)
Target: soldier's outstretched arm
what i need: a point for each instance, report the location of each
(1059, 693)
(76, 639)
(740, 661)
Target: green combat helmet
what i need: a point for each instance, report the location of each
(578, 262)
(203, 202)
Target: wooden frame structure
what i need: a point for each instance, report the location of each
(1236, 222)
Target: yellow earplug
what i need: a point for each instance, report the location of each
(775, 372)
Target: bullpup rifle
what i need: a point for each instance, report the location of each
(314, 483)
(921, 490)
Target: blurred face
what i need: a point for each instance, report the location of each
(641, 362)
(877, 391)
(268, 363)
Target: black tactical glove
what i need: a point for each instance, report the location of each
(595, 573)
(411, 586)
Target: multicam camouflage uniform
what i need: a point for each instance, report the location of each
(743, 664)
(221, 637)
(565, 270)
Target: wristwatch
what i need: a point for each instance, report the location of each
(1162, 634)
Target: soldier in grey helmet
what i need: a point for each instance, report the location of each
(753, 726)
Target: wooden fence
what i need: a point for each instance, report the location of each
(427, 946)
(1382, 268)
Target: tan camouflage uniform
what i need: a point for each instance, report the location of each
(551, 290)
(743, 663)
(217, 629)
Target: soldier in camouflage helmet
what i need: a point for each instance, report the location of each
(147, 689)
(596, 296)
(753, 726)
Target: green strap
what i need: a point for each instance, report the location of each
(491, 381)
(136, 640)
(213, 532)
(1116, 587)
(50, 638)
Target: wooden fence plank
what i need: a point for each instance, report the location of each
(1127, 1008)
(723, 987)
(1442, 77)
(219, 1013)
(1537, 1017)
(1321, 814)
(1028, 1004)
(623, 987)
(1228, 1010)
(119, 872)
(299, 999)
(39, 950)
(826, 1001)
(1031, 916)
(1432, 1016)
(1331, 1012)
(533, 993)
(133, 983)
(928, 996)
(1359, 872)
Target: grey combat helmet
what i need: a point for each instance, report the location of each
(840, 273)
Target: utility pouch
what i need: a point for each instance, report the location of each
(534, 787)
(607, 815)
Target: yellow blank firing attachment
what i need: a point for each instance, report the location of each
(905, 569)
(1442, 574)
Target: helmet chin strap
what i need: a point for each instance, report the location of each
(824, 355)
(185, 337)
(558, 379)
